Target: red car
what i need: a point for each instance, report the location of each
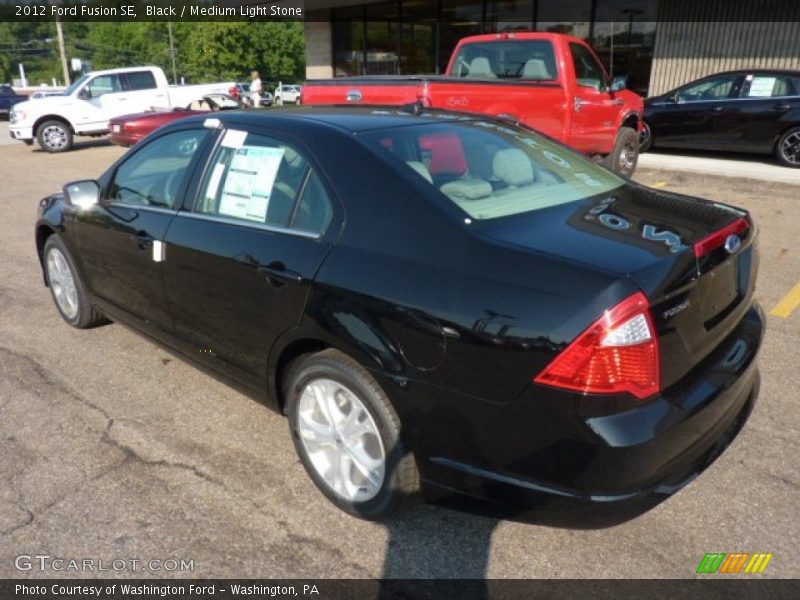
(548, 81)
(127, 130)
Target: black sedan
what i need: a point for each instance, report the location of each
(434, 300)
(741, 111)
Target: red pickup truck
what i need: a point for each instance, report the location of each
(550, 82)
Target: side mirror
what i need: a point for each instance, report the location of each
(85, 94)
(83, 194)
(619, 83)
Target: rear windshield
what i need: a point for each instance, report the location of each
(531, 60)
(490, 169)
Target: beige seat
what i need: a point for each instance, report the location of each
(512, 167)
(467, 189)
(535, 68)
(480, 67)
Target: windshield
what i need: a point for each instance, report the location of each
(489, 169)
(515, 59)
(75, 85)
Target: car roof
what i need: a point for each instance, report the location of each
(353, 119)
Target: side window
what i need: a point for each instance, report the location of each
(141, 80)
(152, 176)
(104, 84)
(769, 86)
(314, 212)
(716, 88)
(588, 71)
(257, 179)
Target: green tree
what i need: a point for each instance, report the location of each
(231, 50)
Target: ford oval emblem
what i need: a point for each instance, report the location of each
(732, 243)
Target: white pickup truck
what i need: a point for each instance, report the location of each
(87, 105)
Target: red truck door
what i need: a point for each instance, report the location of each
(595, 109)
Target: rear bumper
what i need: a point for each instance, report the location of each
(609, 468)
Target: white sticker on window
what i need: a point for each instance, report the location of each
(761, 87)
(249, 183)
(234, 139)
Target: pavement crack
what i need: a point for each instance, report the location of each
(133, 454)
(29, 517)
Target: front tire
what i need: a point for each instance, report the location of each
(347, 435)
(787, 150)
(54, 136)
(66, 286)
(625, 155)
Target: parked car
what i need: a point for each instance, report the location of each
(287, 94)
(536, 330)
(739, 111)
(90, 102)
(128, 130)
(8, 98)
(551, 82)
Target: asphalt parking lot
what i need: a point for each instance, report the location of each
(111, 448)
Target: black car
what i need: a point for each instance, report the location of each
(432, 299)
(8, 98)
(741, 111)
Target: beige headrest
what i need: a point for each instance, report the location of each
(511, 166)
(467, 189)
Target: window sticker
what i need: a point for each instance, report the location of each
(248, 186)
(761, 87)
(234, 139)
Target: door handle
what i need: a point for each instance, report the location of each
(277, 273)
(578, 104)
(718, 108)
(782, 106)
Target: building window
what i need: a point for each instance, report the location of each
(348, 41)
(551, 12)
(624, 36)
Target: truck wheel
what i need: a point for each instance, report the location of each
(787, 150)
(645, 138)
(54, 136)
(625, 155)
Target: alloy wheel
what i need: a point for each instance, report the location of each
(341, 440)
(59, 274)
(790, 148)
(55, 137)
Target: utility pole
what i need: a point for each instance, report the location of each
(62, 50)
(172, 53)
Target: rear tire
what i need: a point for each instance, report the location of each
(625, 155)
(54, 136)
(787, 149)
(348, 436)
(67, 288)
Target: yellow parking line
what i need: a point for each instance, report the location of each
(789, 302)
(659, 184)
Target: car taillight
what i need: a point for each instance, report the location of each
(618, 353)
(718, 238)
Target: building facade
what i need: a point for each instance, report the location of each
(659, 44)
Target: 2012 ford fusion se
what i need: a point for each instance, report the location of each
(436, 301)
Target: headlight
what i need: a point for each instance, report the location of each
(16, 115)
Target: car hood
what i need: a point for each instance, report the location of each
(632, 231)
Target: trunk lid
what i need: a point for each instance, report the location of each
(673, 247)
